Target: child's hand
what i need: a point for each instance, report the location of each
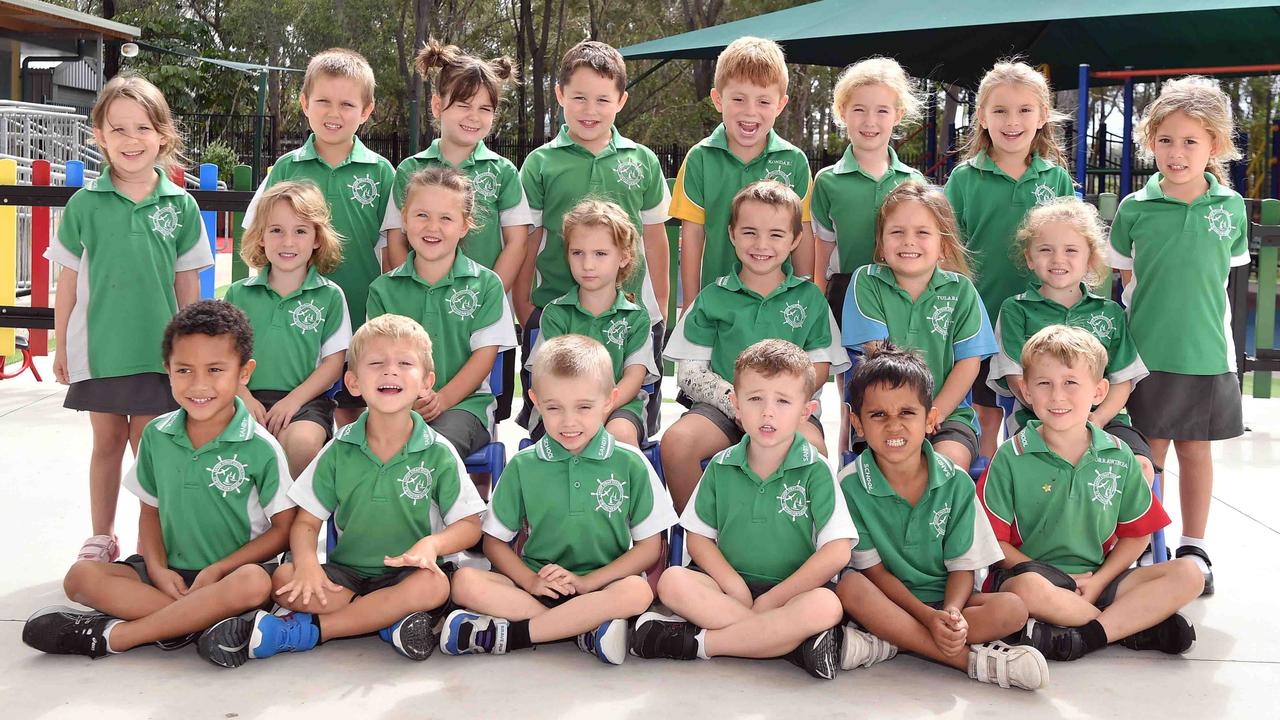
(957, 621)
(424, 404)
(1087, 587)
(60, 366)
(765, 603)
(256, 409)
(949, 640)
(541, 586)
(422, 555)
(168, 582)
(281, 414)
(307, 582)
(739, 591)
(555, 574)
(207, 576)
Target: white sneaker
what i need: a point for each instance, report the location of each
(998, 663)
(862, 649)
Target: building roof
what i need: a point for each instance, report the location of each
(33, 16)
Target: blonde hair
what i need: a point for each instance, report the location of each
(308, 203)
(775, 357)
(127, 86)
(773, 194)
(601, 58)
(955, 256)
(878, 71)
(459, 76)
(341, 63)
(1201, 99)
(1047, 142)
(1082, 218)
(571, 357)
(594, 212)
(1068, 345)
(396, 328)
(443, 176)
(753, 60)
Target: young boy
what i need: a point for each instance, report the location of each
(767, 529)
(1072, 512)
(760, 299)
(213, 486)
(750, 92)
(337, 98)
(400, 501)
(921, 536)
(594, 509)
(462, 302)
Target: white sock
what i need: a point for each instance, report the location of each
(701, 639)
(1200, 543)
(106, 635)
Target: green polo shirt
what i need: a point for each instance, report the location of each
(623, 329)
(989, 206)
(463, 312)
(381, 508)
(583, 511)
(947, 323)
(213, 499)
(711, 175)
(1181, 255)
(768, 527)
(1069, 517)
(499, 198)
(1029, 312)
(291, 334)
(561, 174)
(727, 318)
(944, 532)
(846, 201)
(125, 256)
(358, 192)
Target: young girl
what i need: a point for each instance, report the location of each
(300, 325)
(602, 246)
(918, 294)
(1175, 241)
(1063, 246)
(1013, 162)
(131, 245)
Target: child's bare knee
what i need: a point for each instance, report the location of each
(673, 586)
(1187, 575)
(462, 587)
(282, 576)
(1008, 607)
(822, 608)
(429, 589)
(83, 574)
(249, 584)
(1034, 589)
(633, 593)
(853, 590)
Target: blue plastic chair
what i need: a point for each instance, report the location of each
(1159, 551)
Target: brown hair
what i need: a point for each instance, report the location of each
(773, 194)
(878, 71)
(308, 203)
(458, 76)
(1068, 345)
(774, 357)
(955, 257)
(397, 328)
(753, 60)
(341, 63)
(1200, 99)
(571, 357)
(127, 86)
(1047, 142)
(601, 58)
(593, 212)
(445, 177)
(1082, 218)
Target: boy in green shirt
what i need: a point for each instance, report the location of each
(1072, 512)
(594, 510)
(213, 486)
(767, 529)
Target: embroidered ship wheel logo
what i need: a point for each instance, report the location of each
(940, 319)
(464, 302)
(940, 518)
(1044, 194)
(1104, 486)
(364, 190)
(415, 484)
(307, 317)
(616, 333)
(227, 475)
(794, 315)
(609, 495)
(793, 501)
(629, 172)
(164, 222)
(1102, 326)
(1220, 223)
(485, 184)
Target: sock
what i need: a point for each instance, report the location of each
(106, 635)
(315, 621)
(701, 640)
(518, 635)
(1200, 543)
(1095, 636)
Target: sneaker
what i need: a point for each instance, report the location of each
(413, 637)
(664, 636)
(1174, 635)
(607, 642)
(859, 648)
(61, 630)
(1005, 665)
(177, 643)
(1197, 552)
(1055, 642)
(468, 633)
(819, 655)
(100, 548)
(272, 634)
(226, 643)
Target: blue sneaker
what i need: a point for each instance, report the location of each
(413, 636)
(468, 633)
(291, 633)
(608, 642)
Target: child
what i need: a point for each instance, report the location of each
(1013, 162)
(767, 529)
(299, 318)
(1062, 244)
(873, 98)
(594, 510)
(760, 299)
(1072, 513)
(401, 503)
(1175, 241)
(131, 245)
(337, 98)
(921, 536)
(919, 296)
(750, 92)
(461, 302)
(204, 545)
(602, 250)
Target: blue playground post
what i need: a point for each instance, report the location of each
(75, 173)
(1126, 153)
(1082, 127)
(209, 181)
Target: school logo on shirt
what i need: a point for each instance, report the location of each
(1221, 223)
(794, 315)
(227, 475)
(485, 184)
(779, 173)
(616, 333)
(1101, 326)
(164, 221)
(415, 484)
(364, 190)
(1044, 194)
(793, 501)
(630, 172)
(307, 317)
(609, 495)
(464, 302)
(1105, 486)
(940, 518)
(940, 319)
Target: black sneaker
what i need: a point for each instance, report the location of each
(1174, 635)
(227, 642)
(413, 636)
(177, 643)
(664, 636)
(1055, 642)
(819, 655)
(61, 630)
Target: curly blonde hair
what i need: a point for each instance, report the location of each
(1201, 99)
(1048, 139)
(879, 71)
(594, 212)
(308, 203)
(955, 256)
(1082, 218)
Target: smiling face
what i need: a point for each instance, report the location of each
(763, 236)
(594, 257)
(748, 111)
(870, 114)
(465, 121)
(335, 109)
(1062, 395)
(894, 422)
(1182, 148)
(572, 408)
(389, 375)
(129, 138)
(204, 373)
(1012, 115)
(1058, 255)
(771, 408)
(288, 240)
(591, 101)
(435, 221)
(910, 240)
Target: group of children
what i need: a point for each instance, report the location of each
(346, 381)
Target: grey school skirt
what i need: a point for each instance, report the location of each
(141, 394)
(1171, 406)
